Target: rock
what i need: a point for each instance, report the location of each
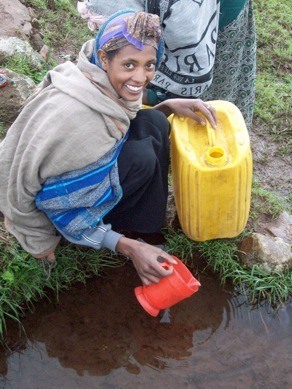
(67, 57)
(281, 227)
(36, 41)
(44, 52)
(12, 46)
(270, 253)
(35, 23)
(15, 19)
(13, 94)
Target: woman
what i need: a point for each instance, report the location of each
(82, 155)
(210, 48)
(186, 68)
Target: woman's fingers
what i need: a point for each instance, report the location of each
(207, 110)
(144, 280)
(162, 269)
(165, 257)
(188, 108)
(148, 279)
(213, 116)
(158, 267)
(156, 273)
(151, 263)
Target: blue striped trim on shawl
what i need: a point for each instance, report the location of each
(78, 200)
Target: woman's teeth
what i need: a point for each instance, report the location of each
(134, 88)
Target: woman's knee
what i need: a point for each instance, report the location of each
(156, 120)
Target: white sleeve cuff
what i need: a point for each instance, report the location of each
(111, 239)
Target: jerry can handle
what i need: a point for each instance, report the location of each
(211, 135)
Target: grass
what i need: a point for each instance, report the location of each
(255, 283)
(222, 257)
(274, 82)
(61, 24)
(3, 130)
(264, 202)
(61, 27)
(23, 280)
(22, 65)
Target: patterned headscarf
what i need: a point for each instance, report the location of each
(129, 28)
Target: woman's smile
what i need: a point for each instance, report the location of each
(135, 89)
(130, 70)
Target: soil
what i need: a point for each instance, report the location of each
(273, 171)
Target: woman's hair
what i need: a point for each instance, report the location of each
(129, 28)
(111, 54)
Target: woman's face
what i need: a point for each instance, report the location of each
(130, 70)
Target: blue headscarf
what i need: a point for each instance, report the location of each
(129, 27)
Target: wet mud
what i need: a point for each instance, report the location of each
(98, 336)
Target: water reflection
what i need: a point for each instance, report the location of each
(101, 330)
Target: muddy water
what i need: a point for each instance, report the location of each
(98, 336)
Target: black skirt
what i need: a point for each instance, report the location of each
(143, 170)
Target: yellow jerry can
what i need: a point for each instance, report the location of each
(212, 174)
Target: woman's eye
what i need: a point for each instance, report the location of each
(151, 66)
(129, 65)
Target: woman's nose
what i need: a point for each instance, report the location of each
(140, 76)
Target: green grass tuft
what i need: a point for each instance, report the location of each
(22, 66)
(222, 257)
(274, 82)
(74, 31)
(24, 279)
(264, 202)
(3, 130)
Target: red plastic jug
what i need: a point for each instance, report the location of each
(169, 290)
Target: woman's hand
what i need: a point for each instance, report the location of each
(188, 108)
(146, 259)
